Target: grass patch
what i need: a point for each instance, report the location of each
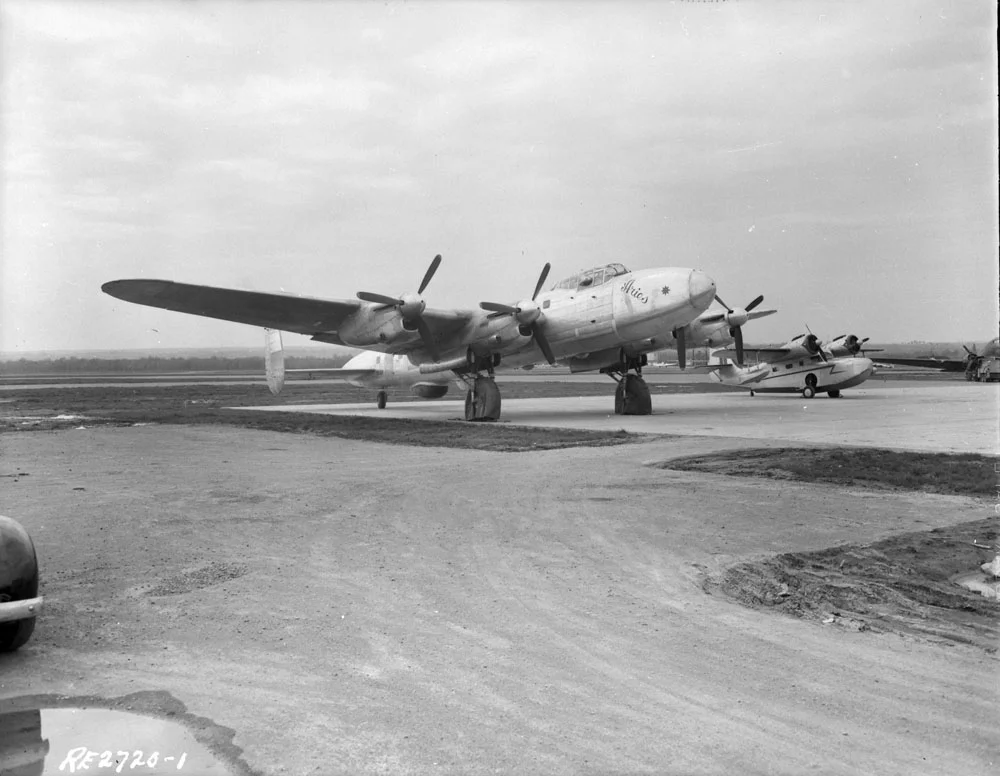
(964, 474)
(39, 410)
(904, 584)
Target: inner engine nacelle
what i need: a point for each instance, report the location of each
(429, 390)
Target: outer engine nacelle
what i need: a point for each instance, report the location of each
(373, 326)
(429, 390)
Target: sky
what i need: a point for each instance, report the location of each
(839, 158)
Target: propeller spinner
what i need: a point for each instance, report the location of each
(736, 317)
(410, 306)
(528, 315)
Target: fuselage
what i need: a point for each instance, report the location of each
(599, 310)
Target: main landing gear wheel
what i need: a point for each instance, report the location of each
(632, 397)
(835, 394)
(810, 390)
(380, 399)
(483, 401)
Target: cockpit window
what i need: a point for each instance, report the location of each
(591, 277)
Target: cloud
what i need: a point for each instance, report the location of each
(343, 144)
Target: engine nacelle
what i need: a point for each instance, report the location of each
(846, 345)
(374, 326)
(429, 390)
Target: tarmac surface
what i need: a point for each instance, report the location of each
(338, 606)
(936, 417)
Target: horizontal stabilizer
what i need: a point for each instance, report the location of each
(333, 373)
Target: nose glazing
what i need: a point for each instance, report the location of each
(701, 289)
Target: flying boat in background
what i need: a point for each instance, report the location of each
(802, 365)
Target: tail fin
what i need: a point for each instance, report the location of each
(274, 360)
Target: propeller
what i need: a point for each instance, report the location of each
(812, 344)
(736, 317)
(528, 315)
(410, 306)
(679, 334)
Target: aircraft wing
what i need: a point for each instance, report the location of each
(299, 314)
(319, 318)
(763, 354)
(942, 364)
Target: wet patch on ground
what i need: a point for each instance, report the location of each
(145, 732)
(908, 584)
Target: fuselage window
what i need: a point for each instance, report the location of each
(789, 366)
(774, 369)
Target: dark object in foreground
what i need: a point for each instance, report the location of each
(19, 601)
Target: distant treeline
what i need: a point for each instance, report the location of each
(157, 364)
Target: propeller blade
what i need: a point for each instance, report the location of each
(388, 301)
(738, 337)
(541, 280)
(719, 300)
(496, 307)
(681, 348)
(543, 344)
(428, 337)
(435, 263)
(754, 303)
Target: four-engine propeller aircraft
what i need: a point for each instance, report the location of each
(802, 365)
(606, 318)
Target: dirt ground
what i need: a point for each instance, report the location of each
(353, 607)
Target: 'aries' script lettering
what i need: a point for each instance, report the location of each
(635, 292)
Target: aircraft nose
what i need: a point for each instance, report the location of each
(701, 289)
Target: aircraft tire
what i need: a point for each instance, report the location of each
(808, 392)
(835, 394)
(635, 395)
(484, 404)
(381, 399)
(18, 580)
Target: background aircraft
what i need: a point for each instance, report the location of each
(802, 365)
(969, 364)
(606, 318)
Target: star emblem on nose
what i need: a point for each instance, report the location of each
(665, 290)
